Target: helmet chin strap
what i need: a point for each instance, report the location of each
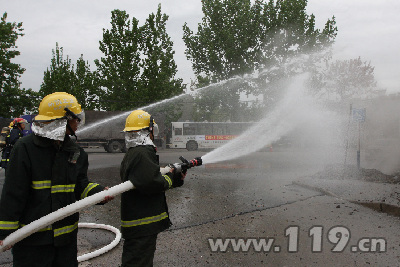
(144, 140)
(69, 113)
(72, 132)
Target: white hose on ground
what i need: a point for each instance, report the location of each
(62, 213)
(104, 249)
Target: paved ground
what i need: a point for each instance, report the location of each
(379, 196)
(271, 195)
(233, 201)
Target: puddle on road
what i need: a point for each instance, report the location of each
(381, 207)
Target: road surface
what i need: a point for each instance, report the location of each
(225, 211)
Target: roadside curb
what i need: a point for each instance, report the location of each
(381, 207)
(377, 206)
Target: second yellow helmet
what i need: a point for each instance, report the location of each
(137, 120)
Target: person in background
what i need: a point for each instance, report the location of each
(47, 171)
(144, 211)
(17, 127)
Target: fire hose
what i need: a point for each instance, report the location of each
(84, 203)
(104, 249)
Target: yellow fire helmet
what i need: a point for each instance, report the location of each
(139, 120)
(53, 106)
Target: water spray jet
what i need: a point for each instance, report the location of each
(293, 110)
(125, 114)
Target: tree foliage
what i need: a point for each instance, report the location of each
(237, 37)
(344, 79)
(119, 68)
(159, 69)
(9, 72)
(158, 80)
(138, 66)
(87, 86)
(59, 77)
(78, 80)
(14, 101)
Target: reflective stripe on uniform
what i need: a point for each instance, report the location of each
(5, 159)
(65, 230)
(63, 188)
(168, 180)
(41, 184)
(55, 188)
(146, 220)
(87, 190)
(5, 225)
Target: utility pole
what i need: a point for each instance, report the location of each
(359, 116)
(347, 136)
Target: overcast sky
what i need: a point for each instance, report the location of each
(366, 28)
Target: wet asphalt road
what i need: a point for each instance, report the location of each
(219, 190)
(252, 197)
(212, 193)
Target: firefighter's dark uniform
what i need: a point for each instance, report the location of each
(41, 178)
(11, 139)
(144, 211)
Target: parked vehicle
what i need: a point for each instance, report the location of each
(104, 129)
(198, 135)
(107, 134)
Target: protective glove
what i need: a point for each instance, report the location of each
(177, 176)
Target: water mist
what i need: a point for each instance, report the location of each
(122, 116)
(294, 110)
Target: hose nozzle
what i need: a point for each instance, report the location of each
(185, 165)
(194, 162)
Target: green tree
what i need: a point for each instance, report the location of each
(87, 86)
(138, 66)
(237, 37)
(344, 79)
(60, 76)
(218, 102)
(119, 69)
(79, 80)
(28, 102)
(158, 81)
(13, 99)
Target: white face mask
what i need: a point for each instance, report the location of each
(139, 138)
(54, 130)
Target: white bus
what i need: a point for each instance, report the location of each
(198, 135)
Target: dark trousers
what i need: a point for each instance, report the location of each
(5, 156)
(45, 256)
(139, 251)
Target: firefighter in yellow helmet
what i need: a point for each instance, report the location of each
(47, 171)
(16, 129)
(144, 211)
